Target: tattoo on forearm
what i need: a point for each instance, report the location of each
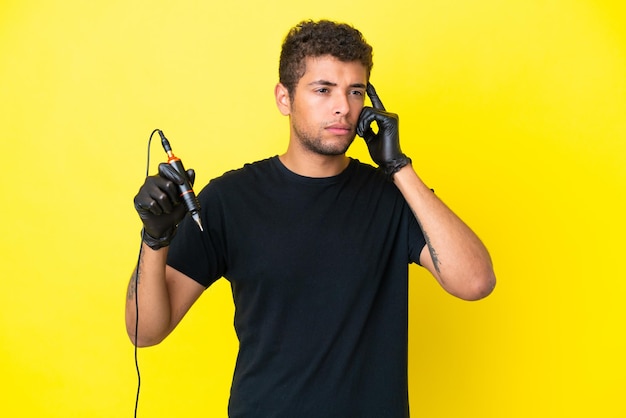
(134, 282)
(432, 251)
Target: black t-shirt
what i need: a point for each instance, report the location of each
(319, 275)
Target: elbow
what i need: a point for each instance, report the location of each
(478, 286)
(142, 341)
(481, 289)
(471, 286)
(145, 337)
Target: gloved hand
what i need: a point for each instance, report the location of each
(160, 207)
(384, 146)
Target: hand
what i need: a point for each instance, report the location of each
(160, 207)
(384, 146)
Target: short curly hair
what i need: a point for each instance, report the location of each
(315, 39)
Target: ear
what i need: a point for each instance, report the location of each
(283, 101)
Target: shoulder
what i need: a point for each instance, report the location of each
(363, 169)
(249, 172)
(240, 182)
(371, 176)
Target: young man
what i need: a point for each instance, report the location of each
(316, 246)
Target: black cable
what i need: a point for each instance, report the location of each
(136, 285)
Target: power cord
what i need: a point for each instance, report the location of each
(136, 286)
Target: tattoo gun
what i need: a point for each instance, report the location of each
(186, 191)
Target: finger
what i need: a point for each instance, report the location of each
(168, 172)
(191, 174)
(369, 135)
(161, 202)
(367, 116)
(163, 189)
(362, 123)
(145, 204)
(371, 92)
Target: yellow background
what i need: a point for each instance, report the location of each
(514, 111)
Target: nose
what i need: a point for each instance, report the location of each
(340, 104)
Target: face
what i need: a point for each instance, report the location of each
(325, 105)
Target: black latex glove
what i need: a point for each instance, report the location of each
(384, 146)
(160, 207)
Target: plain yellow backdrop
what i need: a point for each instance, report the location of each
(515, 112)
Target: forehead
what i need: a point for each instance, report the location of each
(331, 69)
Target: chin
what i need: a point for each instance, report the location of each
(329, 146)
(336, 151)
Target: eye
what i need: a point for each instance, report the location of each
(356, 93)
(322, 90)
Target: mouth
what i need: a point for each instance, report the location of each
(339, 128)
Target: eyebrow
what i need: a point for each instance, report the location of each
(331, 84)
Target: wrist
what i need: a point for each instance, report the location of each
(157, 243)
(393, 166)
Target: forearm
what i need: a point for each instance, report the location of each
(148, 292)
(456, 256)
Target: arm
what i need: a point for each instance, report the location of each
(161, 294)
(453, 253)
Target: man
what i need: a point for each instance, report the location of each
(316, 246)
